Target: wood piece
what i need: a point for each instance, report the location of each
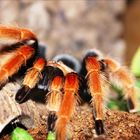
(30, 112)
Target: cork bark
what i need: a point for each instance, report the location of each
(29, 112)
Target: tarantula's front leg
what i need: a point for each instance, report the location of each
(14, 35)
(15, 61)
(30, 80)
(54, 101)
(124, 79)
(71, 87)
(94, 84)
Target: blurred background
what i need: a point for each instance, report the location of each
(75, 26)
(69, 26)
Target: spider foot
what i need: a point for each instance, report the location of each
(131, 106)
(22, 94)
(99, 127)
(51, 121)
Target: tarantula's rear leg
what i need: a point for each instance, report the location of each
(30, 80)
(94, 84)
(124, 79)
(15, 61)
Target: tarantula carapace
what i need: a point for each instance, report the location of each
(64, 78)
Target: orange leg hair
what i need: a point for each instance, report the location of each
(67, 107)
(94, 84)
(16, 34)
(30, 80)
(12, 65)
(54, 101)
(125, 79)
(55, 91)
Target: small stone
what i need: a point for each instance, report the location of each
(120, 130)
(131, 124)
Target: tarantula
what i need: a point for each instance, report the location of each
(64, 78)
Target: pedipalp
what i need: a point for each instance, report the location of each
(31, 78)
(54, 99)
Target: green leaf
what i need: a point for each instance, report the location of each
(117, 89)
(51, 136)
(113, 105)
(20, 134)
(138, 83)
(135, 64)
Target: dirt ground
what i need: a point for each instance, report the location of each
(118, 126)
